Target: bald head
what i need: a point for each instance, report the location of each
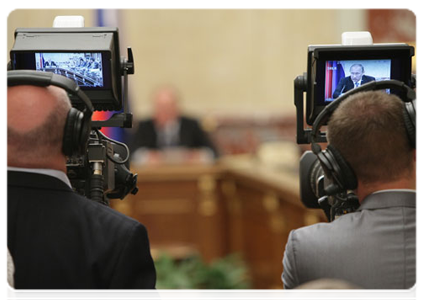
(35, 121)
(165, 101)
(29, 106)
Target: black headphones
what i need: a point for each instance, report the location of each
(331, 160)
(78, 123)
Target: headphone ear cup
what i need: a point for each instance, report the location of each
(409, 113)
(84, 134)
(72, 134)
(346, 174)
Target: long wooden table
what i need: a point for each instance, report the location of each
(235, 206)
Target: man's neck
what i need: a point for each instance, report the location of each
(50, 167)
(58, 164)
(363, 190)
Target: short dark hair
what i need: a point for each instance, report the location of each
(368, 129)
(359, 65)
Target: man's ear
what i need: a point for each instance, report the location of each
(416, 155)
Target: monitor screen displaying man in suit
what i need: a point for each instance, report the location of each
(356, 79)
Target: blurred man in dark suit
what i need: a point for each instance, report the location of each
(57, 238)
(168, 128)
(356, 79)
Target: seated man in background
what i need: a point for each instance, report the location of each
(168, 129)
(57, 238)
(375, 246)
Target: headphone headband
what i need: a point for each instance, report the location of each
(334, 165)
(31, 77)
(78, 124)
(370, 86)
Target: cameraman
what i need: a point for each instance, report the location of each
(58, 239)
(375, 246)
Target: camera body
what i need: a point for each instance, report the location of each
(90, 57)
(103, 173)
(331, 72)
(327, 65)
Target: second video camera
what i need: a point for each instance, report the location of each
(91, 58)
(334, 70)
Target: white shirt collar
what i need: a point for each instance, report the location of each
(395, 190)
(50, 172)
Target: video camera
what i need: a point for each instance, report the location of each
(386, 66)
(91, 58)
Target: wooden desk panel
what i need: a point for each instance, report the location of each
(181, 207)
(234, 207)
(264, 222)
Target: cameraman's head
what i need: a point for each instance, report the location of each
(368, 130)
(36, 118)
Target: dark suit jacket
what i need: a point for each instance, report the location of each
(191, 135)
(346, 84)
(372, 248)
(60, 240)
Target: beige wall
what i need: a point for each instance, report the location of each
(38, 17)
(230, 62)
(239, 62)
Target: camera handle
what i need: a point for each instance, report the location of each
(413, 81)
(123, 119)
(303, 134)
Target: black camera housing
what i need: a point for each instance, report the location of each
(327, 66)
(398, 55)
(102, 171)
(33, 45)
(395, 58)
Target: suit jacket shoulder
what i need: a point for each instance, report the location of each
(367, 78)
(189, 120)
(39, 187)
(344, 84)
(373, 247)
(145, 136)
(192, 135)
(52, 230)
